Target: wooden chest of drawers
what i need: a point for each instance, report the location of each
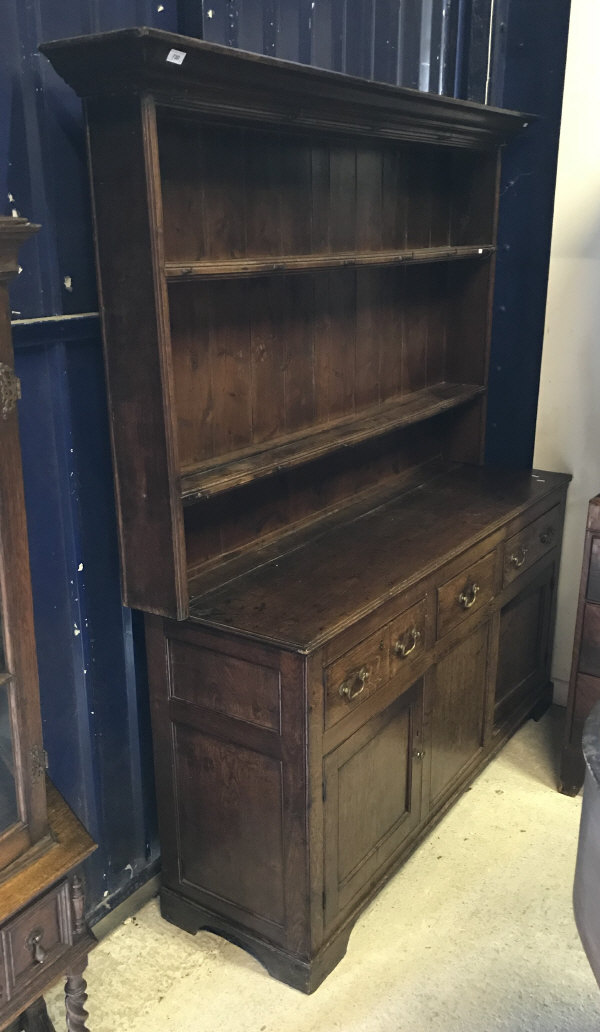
(307, 759)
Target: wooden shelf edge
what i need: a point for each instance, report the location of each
(247, 267)
(242, 468)
(68, 845)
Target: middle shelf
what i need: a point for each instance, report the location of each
(211, 478)
(226, 268)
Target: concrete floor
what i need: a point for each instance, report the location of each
(474, 933)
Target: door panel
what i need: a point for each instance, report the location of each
(373, 799)
(523, 655)
(459, 692)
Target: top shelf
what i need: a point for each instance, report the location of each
(242, 267)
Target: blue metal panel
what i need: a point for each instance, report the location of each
(92, 681)
(43, 146)
(93, 694)
(527, 199)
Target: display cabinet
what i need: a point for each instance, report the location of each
(42, 927)
(347, 613)
(23, 818)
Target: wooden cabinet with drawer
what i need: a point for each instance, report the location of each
(532, 543)
(321, 750)
(42, 934)
(466, 593)
(296, 277)
(41, 842)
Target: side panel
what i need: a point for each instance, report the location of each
(228, 721)
(133, 308)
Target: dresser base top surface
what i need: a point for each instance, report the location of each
(323, 583)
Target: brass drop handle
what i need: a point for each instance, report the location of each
(407, 643)
(519, 556)
(468, 597)
(354, 684)
(547, 535)
(34, 943)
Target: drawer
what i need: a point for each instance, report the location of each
(524, 549)
(37, 937)
(352, 678)
(408, 639)
(466, 593)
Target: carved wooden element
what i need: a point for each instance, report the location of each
(75, 998)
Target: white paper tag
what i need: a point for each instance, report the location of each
(176, 56)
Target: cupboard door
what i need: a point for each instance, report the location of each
(458, 703)
(524, 647)
(372, 799)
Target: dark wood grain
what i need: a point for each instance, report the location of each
(249, 267)
(593, 586)
(524, 660)
(373, 799)
(398, 543)
(255, 518)
(221, 79)
(458, 706)
(122, 142)
(589, 651)
(375, 421)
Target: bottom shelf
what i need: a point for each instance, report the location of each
(240, 468)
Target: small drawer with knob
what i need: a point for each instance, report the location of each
(524, 549)
(408, 639)
(352, 678)
(37, 937)
(465, 594)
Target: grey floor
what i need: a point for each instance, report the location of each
(474, 933)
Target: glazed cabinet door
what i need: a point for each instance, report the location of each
(22, 783)
(524, 647)
(372, 788)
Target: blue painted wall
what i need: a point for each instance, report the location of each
(90, 649)
(90, 655)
